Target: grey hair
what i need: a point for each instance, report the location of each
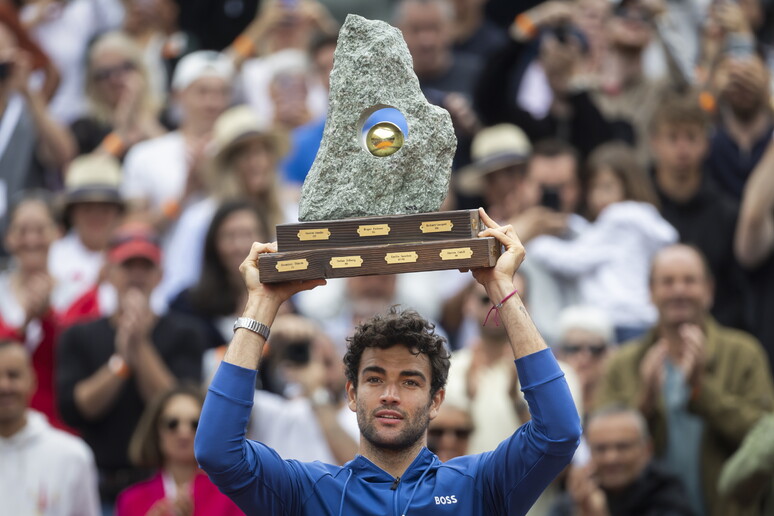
(618, 409)
(398, 14)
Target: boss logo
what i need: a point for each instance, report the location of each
(445, 500)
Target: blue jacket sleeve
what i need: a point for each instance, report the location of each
(253, 475)
(522, 466)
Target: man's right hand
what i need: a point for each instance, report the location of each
(275, 292)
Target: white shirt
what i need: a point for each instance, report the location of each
(156, 170)
(47, 472)
(611, 260)
(290, 427)
(74, 267)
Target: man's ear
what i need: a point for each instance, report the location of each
(351, 396)
(435, 403)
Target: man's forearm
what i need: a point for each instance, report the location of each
(96, 394)
(524, 337)
(153, 376)
(342, 446)
(755, 230)
(56, 142)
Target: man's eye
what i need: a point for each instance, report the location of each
(373, 379)
(412, 383)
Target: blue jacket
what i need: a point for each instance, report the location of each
(504, 481)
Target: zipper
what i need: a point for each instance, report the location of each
(394, 488)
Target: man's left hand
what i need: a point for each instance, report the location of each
(509, 260)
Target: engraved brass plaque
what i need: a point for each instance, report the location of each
(436, 226)
(314, 234)
(344, 262)
(404, 257)
(373, 230)
(458, 253)
(292, 265)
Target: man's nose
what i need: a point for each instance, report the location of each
(390, 394)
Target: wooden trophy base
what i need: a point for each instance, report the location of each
(378, 245)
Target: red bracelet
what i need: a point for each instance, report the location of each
(497, 307)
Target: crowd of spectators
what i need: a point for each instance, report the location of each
(146, 144)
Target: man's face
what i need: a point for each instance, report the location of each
(392, 398)
(619, 451)
(555, 172)
(449, 433)
(679, 286)
(137, 273)
(205, 99)
(427, 32)
(499, 189)
(630, 27)
(679, 147)
(586, 352)
(95, 221)
(17, 383)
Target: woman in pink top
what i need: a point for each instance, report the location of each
(164, 439)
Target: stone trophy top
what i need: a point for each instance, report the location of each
(368, 167)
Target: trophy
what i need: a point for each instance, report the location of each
(370, 202)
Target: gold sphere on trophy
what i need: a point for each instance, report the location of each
(384, 138)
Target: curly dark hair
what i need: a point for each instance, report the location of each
(399, 327)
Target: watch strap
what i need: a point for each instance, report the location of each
(252, 325)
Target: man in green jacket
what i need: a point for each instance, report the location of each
(701, 386)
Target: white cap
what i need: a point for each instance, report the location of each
(588, 318)
(204, 63)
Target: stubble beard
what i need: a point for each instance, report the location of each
(412, 432)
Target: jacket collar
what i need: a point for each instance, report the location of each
(366, 470)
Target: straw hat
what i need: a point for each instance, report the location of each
(239, 124)
(493, 148)
(93, 178)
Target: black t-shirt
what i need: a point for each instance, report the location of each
(85, 348)
(708, 221)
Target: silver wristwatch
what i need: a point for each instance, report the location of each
(252, 325)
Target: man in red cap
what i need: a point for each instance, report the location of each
(109, 368)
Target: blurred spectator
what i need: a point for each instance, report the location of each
(745, 121)
(701, 386)
(314, 423)
(473, 33)
(625, 92)
(610, 259)
(244, 167)
(163, 174)
(586, 336)
(448, 434)
(749, 473)
(691, 201)
(218, 296)
(42, 470)
(447, 79)
(109, 368)
(499, 154)
(44, 71)
(30, 296)
(545, 203)
(536, 82)
(279, 83)
(29, 138)
(754, 247)
(120, 108)
(64, 30)
(163, 440)
(306, 139)
(92, 210)
(622, 479)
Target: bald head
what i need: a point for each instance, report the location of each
(681, 285)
